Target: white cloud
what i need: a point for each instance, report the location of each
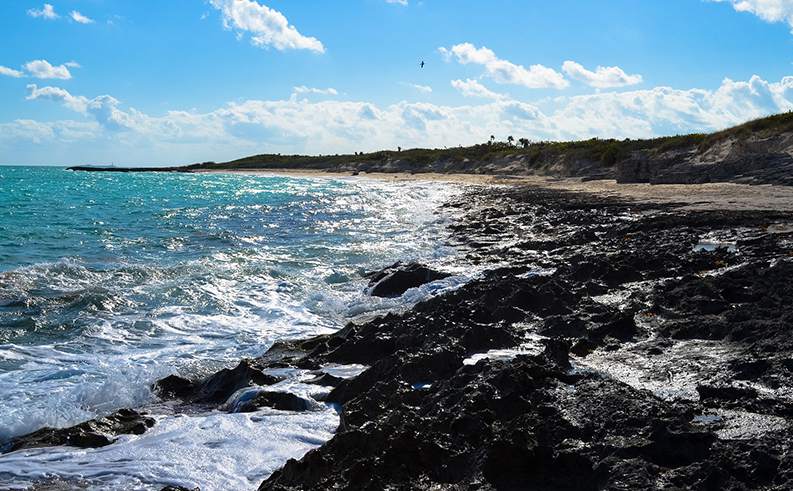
(67, 132)
(104, 108)
(267, 26)
(80, 18)
(665, 111)
(424, 89)
(768, 10)
(106, 113)
(75, 103)
(472, 88)
(302, 89)
(46, 12)
(10, 72)
(603, 77)
(43, 69)
(398, 2)
(503, 71)
(332, 126)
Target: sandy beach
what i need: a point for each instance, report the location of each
(714, 196)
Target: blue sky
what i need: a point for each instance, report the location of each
(153, 82)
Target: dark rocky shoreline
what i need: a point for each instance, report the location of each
(631, 346)
(423, 418)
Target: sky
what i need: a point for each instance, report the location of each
(152, 82)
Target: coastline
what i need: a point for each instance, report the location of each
(389, 176)
(758, 152)
(710, 196)
(611, 342)
(575, 363)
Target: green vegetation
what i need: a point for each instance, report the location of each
(763, 127)
(608, 152)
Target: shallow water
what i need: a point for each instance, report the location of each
(111, 281)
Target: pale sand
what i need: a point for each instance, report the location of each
(391, 176)
(719, 196)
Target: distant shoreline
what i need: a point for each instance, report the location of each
(757, 152)
(706, 196)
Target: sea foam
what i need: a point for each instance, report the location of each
(144, 276)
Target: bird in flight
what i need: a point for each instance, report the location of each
(421, 64)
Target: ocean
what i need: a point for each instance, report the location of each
(109, 282)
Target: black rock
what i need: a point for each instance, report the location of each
(283, 401)
(726, 393)
(95, 433)
(216, 388)
(530, 422)
(174, 387)
(398, 278)
(326, 379)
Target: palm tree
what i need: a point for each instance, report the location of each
(524, 142)
(492, 139)
(510, 140)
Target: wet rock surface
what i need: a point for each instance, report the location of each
(95, 433)
(607, 345)
(216, 388)
(613, 351)
(398, 278)
(276, 400)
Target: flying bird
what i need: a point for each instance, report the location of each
(422, 64)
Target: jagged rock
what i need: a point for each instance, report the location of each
(174, 387)
(398, 278)
(419, 417)
(95, 433)
(558, 352)
(326, 379)
(277, 400)
(216, 388)
(726, 393)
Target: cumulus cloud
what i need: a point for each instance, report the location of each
(768, 10)
(44, 69)
(267, 27)
(665, 111)
(10, 72)
(107, 115)
(104, 108)
(75, 103)
(472, 88)
(398, 2)
(302, 125)
(80, 18)
(603, 77)
(45, 12)
(41, 69)
(503, 71)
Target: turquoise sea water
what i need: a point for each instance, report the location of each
(111, 281)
